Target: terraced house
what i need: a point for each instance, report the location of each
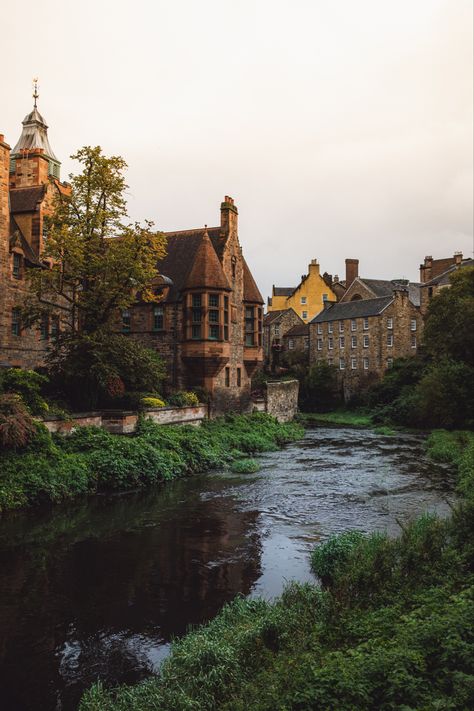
(362, 337)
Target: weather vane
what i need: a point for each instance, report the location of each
(35, 89)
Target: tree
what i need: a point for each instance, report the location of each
(449, 326)
(320, 390)
(99, 261)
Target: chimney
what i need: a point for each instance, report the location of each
(425, 269)
(229, 216)
(457, 258)
(352, 271)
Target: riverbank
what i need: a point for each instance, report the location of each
(376, 636)
(54, 468)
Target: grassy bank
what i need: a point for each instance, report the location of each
(349, 418)
(392, 628)
(53, 469)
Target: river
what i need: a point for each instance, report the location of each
(97, 589)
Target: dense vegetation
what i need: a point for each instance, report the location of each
(391, 628)
(90, 460)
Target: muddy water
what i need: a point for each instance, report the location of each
(98, 589)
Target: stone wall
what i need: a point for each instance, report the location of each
(282, 399)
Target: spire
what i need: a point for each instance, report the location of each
(35, 132)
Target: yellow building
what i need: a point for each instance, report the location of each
(307, 299)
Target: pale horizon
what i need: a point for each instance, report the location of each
(340, 129)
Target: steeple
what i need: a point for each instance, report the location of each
(34, 138)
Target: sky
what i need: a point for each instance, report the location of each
(341, 128)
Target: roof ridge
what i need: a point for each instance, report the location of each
(192, 229)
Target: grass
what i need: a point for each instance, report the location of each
(392, 628)
(350, 418)
(54, 469)
(245, 466)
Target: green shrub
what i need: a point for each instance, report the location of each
(332, 553)
(17, 426)
(184, 398)
(28, 384)
(245, 466)
(152, 402)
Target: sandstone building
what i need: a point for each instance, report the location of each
(29, 178)
(307, 298)
(439, 272)
(362, 337)
(275, 325)
(208, 324)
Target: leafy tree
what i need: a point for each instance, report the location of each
(320, 389)
(98, 259)
(449, 326)
(445, 395)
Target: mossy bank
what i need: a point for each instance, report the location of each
(56, 468)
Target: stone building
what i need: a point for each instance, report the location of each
(307, 298)
(362, 337)
(296, 340)
(275, 326)
(361, 288)
(29, 179)
(441, 280)
(208, 323)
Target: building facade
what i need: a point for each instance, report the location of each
(361, 338)
(275, 326)
(441, 280)
(208, 323)
(29, 180)
(307, 298)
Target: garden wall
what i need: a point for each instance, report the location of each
(282, 399)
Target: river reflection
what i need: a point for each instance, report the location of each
(98, 589)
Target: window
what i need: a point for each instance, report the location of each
(413, 341)
(413, 324)
(158, 318)
(213, 316)
(227, 377)
(16, 265)
(306, 342)
(249, 326)
(277, 330)
(330, 343)
(54, 326)
(320, 328)
(291, 344)
(330, 361)
(214, 301)
(389, 362)
(366, 341)
(329, 327)
(233, 262)
(197, 300)
(341, 342)
(354, 342)
(304, 315)
(44, 328)
(353, 363)
(341, 326)
(226, 318)
(366, 324)
(303, 300)
(353, 325)
(196, 316)
(196, 331)
(430, 292)
(366, 363)
(389, 340)
(239, 377)
(325, 297)
(342, 364)
(390, 322)
(213, 332)
(16, 322)
(126, 321)
(319, 344)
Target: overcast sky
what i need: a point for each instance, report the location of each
(342, 128)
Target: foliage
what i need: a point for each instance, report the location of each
(99, 261)
(17, 426)
(91, 459)
(85, 366)
(184, 398)
(393, 629)
(27, 384)
(351, 418)
(445, 395)
(319, 390)
(245, 466)
(152, 402)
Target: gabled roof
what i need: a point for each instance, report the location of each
(26, 199)
(251, 291)
(384, 287)
(17, 237)
(353, 309)
(443, 279)
(301, 329)
(272, 316)
(283, 290)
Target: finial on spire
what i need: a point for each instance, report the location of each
(35, 90)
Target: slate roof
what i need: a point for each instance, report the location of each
(353, 309)
(301, 329)
(283, 290)
(384, 287)
(251, 290)
(16, 235)
(26, 199)
(272, 316)
(443, 279)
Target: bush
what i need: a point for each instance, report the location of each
(319, 390)
(245, 466)
(445, 395)
(332, 553)
(28, 384)
(17, 426)
(152, 402)
(184, 398)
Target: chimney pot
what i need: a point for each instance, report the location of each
(352, 270)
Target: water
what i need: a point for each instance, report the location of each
(99, 588)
